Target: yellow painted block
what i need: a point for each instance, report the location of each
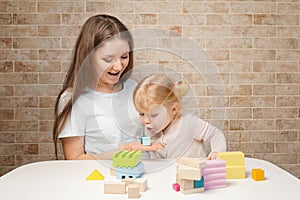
(258, 174)
(95, 176)
(232, 158)
(235, 172)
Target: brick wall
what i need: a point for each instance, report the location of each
(253, 45)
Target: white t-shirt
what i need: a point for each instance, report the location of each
(105, 120)
(189, 136)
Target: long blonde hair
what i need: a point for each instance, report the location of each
(94, 32)
(158, 89)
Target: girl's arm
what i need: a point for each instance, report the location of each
(214, 136)
(74, 150)
(138, 146)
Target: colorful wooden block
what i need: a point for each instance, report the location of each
(128, 172)
(214, 174)
(133, 191)
(235, 172)
(215, 184)
(199, 183)
(232, 158)
(95, 176)
(114, 188)
(191, 162)
(145, 140)
(127, 158)
(143, 184)
(258, 174)
(176, 187)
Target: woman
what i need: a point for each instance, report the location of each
(94, 111)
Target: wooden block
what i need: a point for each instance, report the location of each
(176, 187)
(114, 188)
(127, 158)
(95, 176)
(232, 158)
(191, 162)
(192, 191)
(213, 170)
(189, 173)
(133, 191)
(235, 172)
(128, 181)
(186, 184)
(199, 183)
(143, 184)
(112, 171)
(258, 174)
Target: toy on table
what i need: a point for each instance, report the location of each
(128, 164)
(258, 174)
(95, 176)
(194, 175)
(188, 175)
(235, 167)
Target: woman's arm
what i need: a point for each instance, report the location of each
(74, 150)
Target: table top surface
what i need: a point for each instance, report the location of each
(66, 180)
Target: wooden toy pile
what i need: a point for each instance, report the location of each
(194, 175)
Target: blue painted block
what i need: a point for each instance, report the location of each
(199, 183)
(128, 172)
(145, 140)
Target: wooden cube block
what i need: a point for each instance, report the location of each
(143, 184)
(186, 184)
(114, 188)
(176, 187)
(258, 174)
(128, 181)
(133, 191)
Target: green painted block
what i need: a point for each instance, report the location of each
(127, 158)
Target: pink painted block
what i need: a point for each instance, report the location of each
(215, 163)
(214, 184)
(211, 187)
(213, 170)
(176, 187)
(217, 176)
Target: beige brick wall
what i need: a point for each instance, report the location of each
(253, 46)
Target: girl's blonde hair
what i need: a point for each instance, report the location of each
(96, 30)
(158, 89)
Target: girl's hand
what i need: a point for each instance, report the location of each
(138, 146)
(212, 156)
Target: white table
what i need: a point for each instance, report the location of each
(66, 180)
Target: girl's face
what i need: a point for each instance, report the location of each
(110, 60)
(156, 119)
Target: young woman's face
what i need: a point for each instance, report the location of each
(156, 119)
(110, 61)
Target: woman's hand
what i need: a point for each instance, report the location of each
(212, 156)
(138, 146)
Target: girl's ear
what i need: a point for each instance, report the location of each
(175, 109)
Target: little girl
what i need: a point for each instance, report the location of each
(157, 99)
